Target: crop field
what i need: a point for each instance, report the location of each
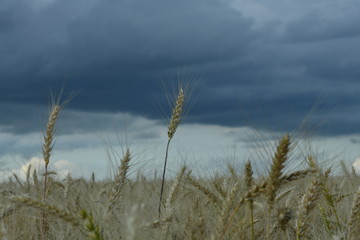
(307, 203)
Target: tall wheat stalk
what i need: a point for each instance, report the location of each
(308, 203)
(175, 120)
(354, 219)
(276, 172)
(46, 150)
(47, 147)
(249, 183)
(169, 204)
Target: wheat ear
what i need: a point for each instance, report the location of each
(308, 203)
(28, 173)
(344, 169)
(277, 167)
(176, 114)
(50, 130)
(119, 181)
(50, 209)
(212, 197)
(174, 189)
(48, 141)
(296, 175)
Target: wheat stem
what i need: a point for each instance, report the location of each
(174, 123)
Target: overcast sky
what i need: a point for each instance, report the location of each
(257, 64)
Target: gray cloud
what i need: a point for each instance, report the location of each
(324, 24)
(115, 51)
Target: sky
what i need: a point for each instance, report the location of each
(258, 69)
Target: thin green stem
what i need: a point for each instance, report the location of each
(163, 176)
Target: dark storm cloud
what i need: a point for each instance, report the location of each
(316, 27)
(114, 52)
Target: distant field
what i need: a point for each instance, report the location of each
(303, 205)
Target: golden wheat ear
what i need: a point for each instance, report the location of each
(176, 114)
(50, 132)
(49, 209)
(281, 155)
(119, 181)
(308, 203)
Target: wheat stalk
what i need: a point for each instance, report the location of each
(47, 147)
(330, 200)
(213, 198)
(18, 180)
(175, 120)
(28, 172)
(275, 174)
(354, 219)
(249, 182)
(170, 204)
(226, 207)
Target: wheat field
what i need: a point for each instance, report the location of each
(307, 203)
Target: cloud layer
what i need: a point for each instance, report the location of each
(263, 64)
